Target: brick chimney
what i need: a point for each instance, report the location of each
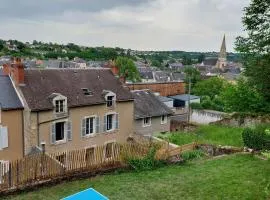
(15, 70)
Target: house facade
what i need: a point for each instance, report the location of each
(150, 114)
(11, 122)
(68, 109)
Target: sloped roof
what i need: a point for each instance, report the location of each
(148, 105)
(40, 84)
(184, 97)
(9, 99)
(210, 61)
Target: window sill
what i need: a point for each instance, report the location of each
(163, 123)
(90, 135)
(144, 126)
(60, 142)
(111, 131)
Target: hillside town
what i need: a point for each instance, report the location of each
(80, 122)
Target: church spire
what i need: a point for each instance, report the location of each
(222, 59)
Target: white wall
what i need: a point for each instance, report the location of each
(204, 117)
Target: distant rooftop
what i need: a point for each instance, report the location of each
(184, 97)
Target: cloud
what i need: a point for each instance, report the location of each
(137, 24)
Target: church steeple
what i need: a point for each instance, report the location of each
(222, 59)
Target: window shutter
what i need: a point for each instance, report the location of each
(69, 131)
(97, 124)
(53, 137)
(83, 123)
(3, 137)
(105, 123)
(116, 121)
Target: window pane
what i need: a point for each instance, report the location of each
(109, 122)
(59, 131)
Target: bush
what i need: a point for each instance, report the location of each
(257, 138)
(190, 155)
(196, 106)
(147, 163)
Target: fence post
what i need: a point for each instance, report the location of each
(9, 174)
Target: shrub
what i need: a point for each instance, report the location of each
(257, 138)
(190, 155)
(146, 163)
(196, 106)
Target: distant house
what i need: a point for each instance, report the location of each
(67, 109)
(162, 76)
(147, 77)
(176, 66)
(11, 122)
(182, 100)
(150, 114)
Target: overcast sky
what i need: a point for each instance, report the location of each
(190, 25)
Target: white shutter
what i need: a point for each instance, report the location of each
(97, 124)
(53, 136)
(105, 123)
(4, 137)
(116, 121)
(83, 123)
(69, 131)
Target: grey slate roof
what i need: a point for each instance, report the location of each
(148, 105)
(41, 84)
(184, 97)
(9, 99)
(164, 99)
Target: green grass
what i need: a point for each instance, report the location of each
(229, 177)
(208, 134)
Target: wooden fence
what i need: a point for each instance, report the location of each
(39, 168)
(43, 167)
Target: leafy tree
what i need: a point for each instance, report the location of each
(242, 97)
(211, 87)
(201, 57)
(127, 69)
(255, 48)
(192, 73)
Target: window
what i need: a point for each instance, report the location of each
(164, 119)
(89, 125)
(110, 101)
(87, 92)
(109, 148)
(60, 106)
(147, 121)
(90, 155)
(109, 122)
(3, 137)
(59, 131)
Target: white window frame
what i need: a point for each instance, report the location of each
(113, 148)
(94, 126)
(60, 98)
(110, 94)
(113, 121)
(89, 147)
(65, 132)
(7, 142)
(147, 125)
(165, 121)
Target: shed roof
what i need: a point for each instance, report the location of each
(184, 97)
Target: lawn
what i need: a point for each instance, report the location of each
(229, 177)
(209, 134)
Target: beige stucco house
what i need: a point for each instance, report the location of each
(11, 123)
(69, 109)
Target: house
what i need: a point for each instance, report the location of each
(182, 100)
(176, 66)
(150, 114)
(167, 101)
(67, 109)
(11, 121)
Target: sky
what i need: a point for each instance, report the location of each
(188, 25)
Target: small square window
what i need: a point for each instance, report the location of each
(147, 121)
(60, 106)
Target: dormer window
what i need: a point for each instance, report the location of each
(110, 98)
(60, 106)
(110, 101)
(59, 102)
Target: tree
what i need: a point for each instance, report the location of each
(201, 58)
(127, 69)
(242, 97)
(255, 48)
(192, 73)
(211, 87)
